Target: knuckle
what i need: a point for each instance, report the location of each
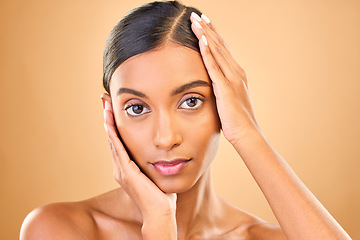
(125, 179)
(117, 176)
(241, 72)
(221, 41)
(111, 145)
(214, 66)
(207, 50)
(233, 76)
(218, 51)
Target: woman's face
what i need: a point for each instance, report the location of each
(166, 115)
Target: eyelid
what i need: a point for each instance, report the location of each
(135, 102)
(190, 97)
(194, 94)
(136, 115)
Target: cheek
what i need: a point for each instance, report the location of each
(133, 135)
(132, 140)
(199, 132)
(203, 131)
(137, 143)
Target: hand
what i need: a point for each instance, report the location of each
(229, 82)
(154, 204)
(290, 196)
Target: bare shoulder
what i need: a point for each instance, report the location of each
(58, 221)
(254, 228)
(251, 227)
(99, 217)
(264, 230)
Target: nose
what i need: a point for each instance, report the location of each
(167, 134)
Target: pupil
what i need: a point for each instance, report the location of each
(137, 109)
(191, 102)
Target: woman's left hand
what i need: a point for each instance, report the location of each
(299, 213)
(229, 82)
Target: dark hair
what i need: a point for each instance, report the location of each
(146, 28)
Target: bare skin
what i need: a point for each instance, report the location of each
(156, 123)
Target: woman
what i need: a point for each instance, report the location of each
(172, 85)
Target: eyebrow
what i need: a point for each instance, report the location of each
(131, 91)
(193, 84)
(197, 83)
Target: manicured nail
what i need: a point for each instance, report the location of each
(203, 38)
(107, 106)
(194, 15)
(197, 24)
(206, 19)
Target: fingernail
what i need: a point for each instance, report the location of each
(107, 106)
(197, 24)
(203, 38)
(105, 127)
(206, 19)
(194, 15)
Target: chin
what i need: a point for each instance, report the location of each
(175, 185)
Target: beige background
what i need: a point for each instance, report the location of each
(302, 59)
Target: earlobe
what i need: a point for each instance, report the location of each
(105, 97)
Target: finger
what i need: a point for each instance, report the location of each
(109, 119)
(110, 127)
(117, 170)
(139, 187)
(218, 67)
(197, 29)
(220, 83)
(220, 58)
(213, 34)
(121, 156)
(129, 175)
(116, 166)
(108, 113)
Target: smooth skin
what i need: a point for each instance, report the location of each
(169, 125)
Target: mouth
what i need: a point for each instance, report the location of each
(172, 167)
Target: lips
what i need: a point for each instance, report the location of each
(172, 167)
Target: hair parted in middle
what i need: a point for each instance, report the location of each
(146, 28)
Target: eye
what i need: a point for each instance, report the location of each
(136, 110)
(192, 103)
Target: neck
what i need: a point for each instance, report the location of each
(196, 210)
(196, 207)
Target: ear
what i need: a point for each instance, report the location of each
(105, 97)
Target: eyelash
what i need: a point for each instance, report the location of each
(142, 105)
(193, 97)
(133, 105)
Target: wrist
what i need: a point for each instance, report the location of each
(161, 227)
(157, 212)
(250, 141)
(243, 135)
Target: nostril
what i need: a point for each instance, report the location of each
(166, 131)
(167, 140)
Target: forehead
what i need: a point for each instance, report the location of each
(169, 66)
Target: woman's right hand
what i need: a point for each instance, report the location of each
(158, 208)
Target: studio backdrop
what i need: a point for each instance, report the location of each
(302, 61)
